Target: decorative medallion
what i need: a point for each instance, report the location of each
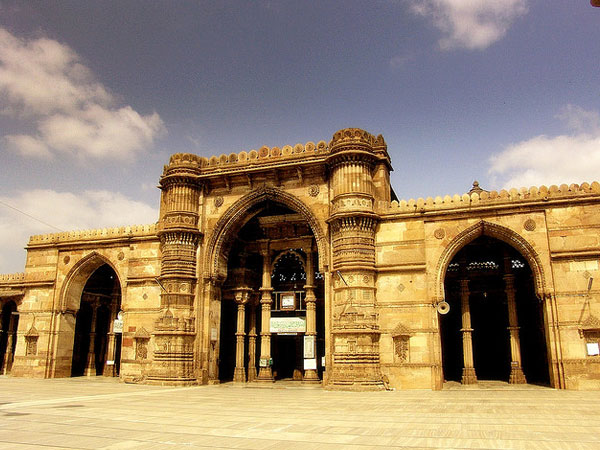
(529, 225)
(350, 279)
(120, 256)
(440, 233)
(66, 259)
(400, 287)
(313, 190)
(219, 201)
(145, 296)
(366, 279)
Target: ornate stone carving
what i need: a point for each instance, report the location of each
(401, 348)
(313, 190)
(529, 225)
(142, 338)
(31, 340)
(66, 259)
(219, 201)
(440, 233)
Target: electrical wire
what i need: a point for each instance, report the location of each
(30, 216)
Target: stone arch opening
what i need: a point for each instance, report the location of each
(96, 346)
(502, 234)
(495, 329)
(88, 343)
(272, 295)
(9, 322)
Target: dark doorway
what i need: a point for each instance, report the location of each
(486, 263)
(96, 350)
(227, 336)
(8, 336)
(287, 355)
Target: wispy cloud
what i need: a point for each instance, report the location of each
(44, 82)
(400, 61)
(568, 158)
(470, 24)
(65, 211)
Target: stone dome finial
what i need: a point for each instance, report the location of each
(476, 188)
(352, 137)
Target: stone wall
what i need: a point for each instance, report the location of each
(392, 256)
(57, 267)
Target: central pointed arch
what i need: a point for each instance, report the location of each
(246, 207)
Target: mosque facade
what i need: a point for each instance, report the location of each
(299, 263)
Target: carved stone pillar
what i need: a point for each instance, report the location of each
(468, 373)
(10, 343)
(265, 373)
(90, 366)
(241, 298)
(310, 375)
(175, 330)
(516, 371)
(110, 369)
(355, 328)
(252, 342)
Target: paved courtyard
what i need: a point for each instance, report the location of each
(102, 413)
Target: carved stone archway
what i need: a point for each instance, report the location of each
(501, 233)
(233, 220)
(65, 314)
(78, 276)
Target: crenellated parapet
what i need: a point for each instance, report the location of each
(247, 159)
(93, 235)
(8, 278)
(505, 198)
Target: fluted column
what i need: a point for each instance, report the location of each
(516, 371)
(178, 229)
(90, 366)
(310, 375)
(252, 343)
(468, 374)
(241, 298)
(265, 373)
(353, 222)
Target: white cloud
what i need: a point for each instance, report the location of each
(569, 158)
(44, 81)
(471, 24)
(28, 146)
(66, 211)
(399, 61)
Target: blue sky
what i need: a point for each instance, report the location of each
(95, 96)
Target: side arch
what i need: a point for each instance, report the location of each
(78, 276)
(233, 219)
(501, 233)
